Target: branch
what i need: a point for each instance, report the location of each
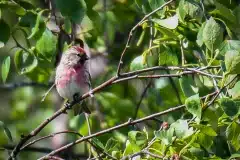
(141, 98)
(115, 79)
(131, 33)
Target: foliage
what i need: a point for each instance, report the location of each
(192, 48)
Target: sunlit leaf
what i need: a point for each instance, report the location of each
(5, 68)
(205, 129)
(47, 45)
(170, 23)
(233, 134)
(212, 34)
(235, 91)
(232, 61)
(205, 140)
(138, 138)
(182, 129)
(166, 136)
(137, 63)
(112, 145)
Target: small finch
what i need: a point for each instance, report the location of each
(72, 76)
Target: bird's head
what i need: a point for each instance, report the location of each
(75, 55)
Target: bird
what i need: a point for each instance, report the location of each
(72, 76)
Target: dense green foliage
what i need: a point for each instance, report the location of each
(197, 36)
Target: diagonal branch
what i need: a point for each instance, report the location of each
(128, 123)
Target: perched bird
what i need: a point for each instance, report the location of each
(72, 76)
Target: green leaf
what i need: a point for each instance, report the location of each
(47, 45)
(189, 8)
(170, 23)
(5, 68)
(212, 34)
(74, 9)
(205, 129)
(112, 145)
(210, 115)
(4, 32)
(234, 156)
(168, 57)
(229, 45)
(229, 106)
(182, 129)
(29, 19)
(193, 105)
(13, 6)
(39, 26)
(166, 136)
(224, 12)
(233, 134)
(200, 35)
(235, 91)
(232, 62)
(188, 86)
(130, 148)
(25, 62)
(6, 131)
(67, 26)
(137, 64)
(138, 138)
(205, 140)
(154, 4)
(97, 143)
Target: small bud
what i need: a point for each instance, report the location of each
(165, 125)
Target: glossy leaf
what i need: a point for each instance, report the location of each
(47, 45)
(5, 68)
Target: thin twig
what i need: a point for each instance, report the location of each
(131, 33)
(141, 98)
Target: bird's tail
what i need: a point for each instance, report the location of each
(80, 108)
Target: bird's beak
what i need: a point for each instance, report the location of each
(86, 58)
